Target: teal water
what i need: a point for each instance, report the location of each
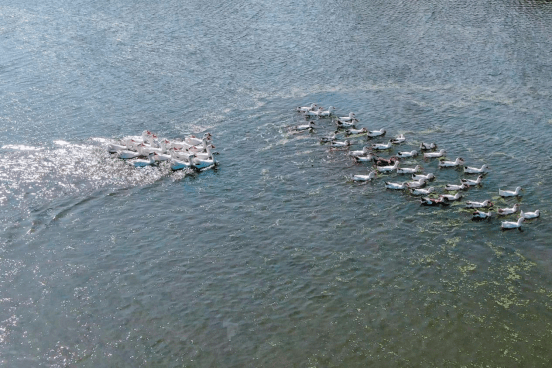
(276, 258)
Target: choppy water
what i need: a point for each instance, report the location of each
(276, 258)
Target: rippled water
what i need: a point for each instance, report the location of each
(276, 258)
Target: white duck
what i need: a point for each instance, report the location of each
(399, 139)
(327, 113)
(428, 176)
(126, 154)
(303, 127)
(409, 170)
(421, 191)
(505, 225)
(388, 168)
(348, 119)
(331, 137)
(417, 183)
(367, 158)
(376, 133)
(472, 204)
(441, 153)
(114, 147)
(529, 215)
(451, 197)
(363, 152)
(194, 141)
(472, 183)
(510, 193)
(454, 187)
(396, 186)
(199, 163)
(356, 131)
(480, 215)
(142, 163)
(368, 177)
(312, 106)
(177, 164)
(340, 144)
(161, 157)
(313, 113)
(382, 146)
(345, 124)
(508, 211)
(405, 154)
(475, 170)
(459, 161)
(427, 146)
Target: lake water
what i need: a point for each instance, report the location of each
(276, 258)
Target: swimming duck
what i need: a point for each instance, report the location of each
(177, 164)
(302, 127)
(363, 152)
(356, 131)
(396, 186)
(367, 158)
(472, 204)
(428, 176)
(339, 144)
(380, 161)
(405, 154)
(142, 163)
(529, 215)
(454, 187)
(201, 163)
(312, 113)
(193, 140)
(345, 124)
(508, 211)
(472, 183)
(126, 154)
(480, 215)
(510, 193)
(505, 225)
(427, 146)
(376, 133)
(441, 153)
(399, 139)
(330, 138)
(114, 147)
(450, 197)
(388, 168)
(475, 170)
(416, 183)
(326, 113)
(312, 106)
(454, 163)
(426, 201)
(382, 146)
(347, 119)
(161, 157)
(409, 170)
(421, 191)
(368, 177)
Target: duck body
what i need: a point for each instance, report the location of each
(454, 187)
(353, 131)
(475, 170)
(405, 154)
(454, 163)
(417, 183)
(428, 176)
(388, 168)
(451, 197)
(114, 147)
(126, 154)
(441, 153)
(480, 215)
(143, 163)
(485, 204)
(426, 201)
(399, 139)
(368, 177)
(380, 161)
(326, 113)
(421, 191)
(332, 137)
(505, 225)
(510, 193)
(345, 124)
(472, 183)
(529, 215)
(303, 127)
(409, 170)
(376, 133)
(202, 164)
(367, 158)
(312, 106)
(382, 146)
(427, 146)
(363, 152)
(508, 211)
(395, 186)
(340, 144)
(348, 119)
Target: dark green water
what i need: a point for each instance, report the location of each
(276, 258)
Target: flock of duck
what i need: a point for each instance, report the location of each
(347, 126)
(189, 153)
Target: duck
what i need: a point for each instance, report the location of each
(505, 225)
(405, 154)
(485, 204)
(340, 144)
(312, 113)
(427, 146)
(201, 163)
(161, 157)
(326, 113)
(127, 154)
(396, 186)
(472, 183)
(312, 106)
(148, 137)
(454, 163)
(329, 138)
(375, 133)
(177, 164)
(451, 197)
(510, 193)
(380, 161)
(114, 147)
(388, 168)
(363, 152)
(480, 215)
(368, 177)
(409, 170)
(426, 201)
(353, 131)
(428, 176)
(145, 149)
(417, 183)
(454, 187)
(205, 156)
(345, 124)
(529, 215)
(367, 158)
(475, 170)
(382, 146)
(350, 118)
(421, 191)
(142, 163)
(303, 127)
(508, 211)
(193, 140)
(399, 139)
(441, 153)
